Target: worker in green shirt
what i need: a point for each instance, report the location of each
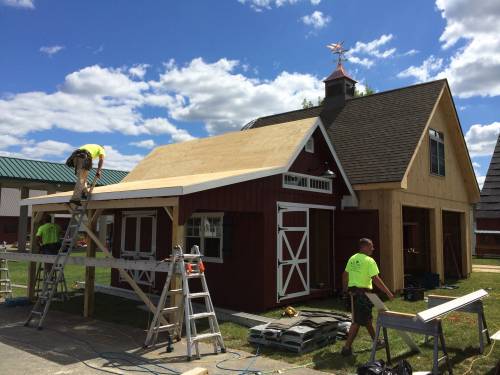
(48, 237)
(360, 274)
(81, 159)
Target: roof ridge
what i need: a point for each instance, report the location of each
(52, 162)
(399, 89)
(355, 98)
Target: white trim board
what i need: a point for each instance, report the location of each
(140, 265)
(445, 308)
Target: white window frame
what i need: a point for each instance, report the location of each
(309, 147)
(308, 183)
(136, 253)
(438, 137)
(203, 215)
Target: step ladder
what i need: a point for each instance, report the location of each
(188, 267)
(61, 293)
(5, 283)
(56, 275)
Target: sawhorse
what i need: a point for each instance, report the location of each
(409, 323)
(475, 307)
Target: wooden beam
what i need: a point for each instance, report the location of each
(89, 296)
(140, 265)
(23, 221)
(169, 212)
(177, 240)
(124, 274)
(196, 371)
(113, 204)
(447, 307)
(34, 249)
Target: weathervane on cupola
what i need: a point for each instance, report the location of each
(338, 49)
(339, 87)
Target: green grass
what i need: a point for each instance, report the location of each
(460, 334)
(486, 261)
(19, 271)
(460, 329)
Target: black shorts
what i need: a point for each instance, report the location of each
(50, 248)
(361, 309)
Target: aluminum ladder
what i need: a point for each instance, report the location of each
(190, 267)
(5, 283)
(61, 293)
(56, 274)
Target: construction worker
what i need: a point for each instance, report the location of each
(360, 273)
(48, 237)
(81, 159)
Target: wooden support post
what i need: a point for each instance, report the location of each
(124, 274)
(177, 239)
(34, 248)
(436, 242)
(23, 222)
(89, 296)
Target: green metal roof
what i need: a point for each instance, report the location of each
(50, 172)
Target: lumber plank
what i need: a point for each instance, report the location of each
(381, 307)
(445, 308)
(141, 265)
(196, 371)
(89, 296)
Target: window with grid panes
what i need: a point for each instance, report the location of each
(205, 230)
(436, 141)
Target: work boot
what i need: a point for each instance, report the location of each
(346, 352)
(84, 196)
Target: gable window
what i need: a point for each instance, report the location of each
(436, 141)
(205, 230)
(305, 182)
(309, 147)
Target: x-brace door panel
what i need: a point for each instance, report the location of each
(292, 252)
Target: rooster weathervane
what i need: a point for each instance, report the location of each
(339, 50)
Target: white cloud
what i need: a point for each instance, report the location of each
(480, 180)
(223, 100)
(147, 143)
(423, 72)
(47, 148)
(116, 160)
(371, 51)
(316, 19)
(51, 50)
(27, 4)
(139, 70)
(475, 164)
(93, 99)
(474, 66)
(481, 139)
(411, 52)
(260, 5)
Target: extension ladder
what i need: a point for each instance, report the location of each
(56, 275)
(190, 267)
(61, 287)
(5, 284)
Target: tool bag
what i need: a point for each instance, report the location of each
(379, 368)
(84, 154)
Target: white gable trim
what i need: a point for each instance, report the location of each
(353, 202)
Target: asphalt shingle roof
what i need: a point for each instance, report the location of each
(374, 136)
(489, 204)
(50, 172)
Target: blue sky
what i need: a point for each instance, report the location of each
(135, 74)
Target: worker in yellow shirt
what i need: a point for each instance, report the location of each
(48, 237)
(360, 274)
(81, 159)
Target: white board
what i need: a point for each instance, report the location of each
(380, 306)
(443, 309)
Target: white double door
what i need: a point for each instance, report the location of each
(292, 251)
(138, 242)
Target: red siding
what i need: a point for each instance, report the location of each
(487, 244)
(247, 277)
